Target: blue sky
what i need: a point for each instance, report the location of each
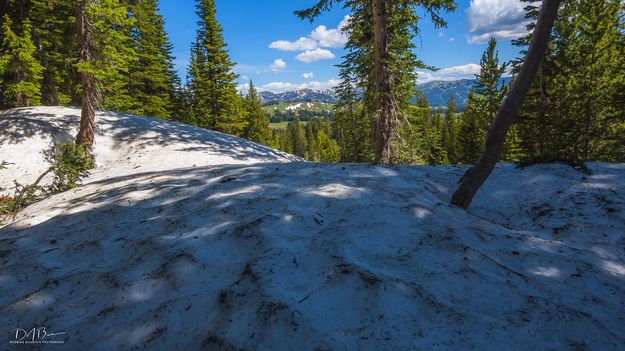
(264, 40)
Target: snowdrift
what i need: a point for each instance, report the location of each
(125, 144)
(275, 255)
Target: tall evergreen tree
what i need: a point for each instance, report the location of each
(152, 79)
(295, 141)
(470, 133)
(450, 131)
(488, 84)
(320, 147)
(484, 102)
(257, 128)
(54, 36)
(216, 103)
(381, 58)
(20, 72)
(351, 126)
(102, 41)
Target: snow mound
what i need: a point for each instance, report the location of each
(298, 256)
(125, 144)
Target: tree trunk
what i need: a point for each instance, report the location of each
(86, 134)
(385, 118)
(476, 176)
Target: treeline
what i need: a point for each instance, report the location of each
(575, 110)
(40, 55)
(49, 46)
(312, 141)
(303, 115)
(573, 113)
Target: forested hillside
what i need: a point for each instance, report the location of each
(574, 112)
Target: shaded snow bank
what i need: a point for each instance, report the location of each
(125, 144)
(297, 256)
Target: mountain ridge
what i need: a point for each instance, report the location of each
(437, 92)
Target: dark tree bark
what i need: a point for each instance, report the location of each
(385, 117)
(86, 134)
(476, 176)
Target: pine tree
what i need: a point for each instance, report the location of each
(114, 20)
(21, 73)
(488, 84)
(572, 112)
(295, 141)
(320, 147)
(152, 79)
(470, 134)
(351, 126)
(257, 128)
(450, 131)
(100, 26)
(54, 36)
(484, 103)
(381, 58)
(216, 103)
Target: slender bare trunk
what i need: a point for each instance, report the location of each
(385, 119)
(86, 134)
(476, 176)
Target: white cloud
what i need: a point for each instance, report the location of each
(318, 54)
(243, 88)
(467, 71)
(452, 39)
(280, 87)
(331, 38)
(278, 65)
(501, 19)
(298, 45)
(321, 37)
(308, 75)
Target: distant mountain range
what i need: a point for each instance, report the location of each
(438, 93)
(303, 95)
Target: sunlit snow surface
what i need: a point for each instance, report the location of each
(185, 239)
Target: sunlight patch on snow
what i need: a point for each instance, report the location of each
(548, 272)
(140, 333)
(614, 268)
(38, 299)
(200, 232)
(603, 177)
(421, 212)
(386, 172)
(143, 290)
(544, 245)
(603, 253)
(240, 191)
(441, 188)
(36, 220)
(337, 191)
(599, 186)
